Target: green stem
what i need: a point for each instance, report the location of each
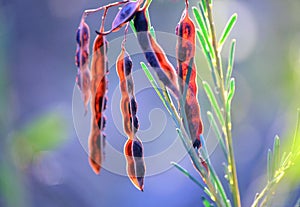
(227, 131)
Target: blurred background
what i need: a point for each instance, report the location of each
(43, 159)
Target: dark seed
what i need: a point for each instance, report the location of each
(137, 149)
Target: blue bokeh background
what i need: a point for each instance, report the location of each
(37, 40)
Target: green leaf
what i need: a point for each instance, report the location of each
(204, 5)
(230, 63)
(131, 23)
(205, 202)
(203, 12)
(192, 152)
(276, 154)
(213, 102)
(187, 174)
(207, 55)
(231, 90)
(154, 85)
(231, 22)
(183, 99)
(192, 178)
(229, 97)
(270, 168)
(203, 30)
(213, 122)
(213, 175)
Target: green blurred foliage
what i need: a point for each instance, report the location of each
(44, 133)
(18, 147)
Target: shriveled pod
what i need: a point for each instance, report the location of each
(133, 149)
(99, 70)
(185, 62)
(125, 14)
(82, 62)
(153, 52)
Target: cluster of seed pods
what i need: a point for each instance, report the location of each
(185, 62)
(133, 148)
(174, 80)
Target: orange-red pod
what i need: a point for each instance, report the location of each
(125, 101)
(164, 62)
(133, 151)
(96, 148)
(185, 62)
(133, 148)
(98, 103)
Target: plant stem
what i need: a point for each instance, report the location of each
(227, 131)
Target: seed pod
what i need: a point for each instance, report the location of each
(126, 13)
(82, 62)
(96, 146)
(136, 169)
(124, 103)
(133, 148)
(98, 103)
(154, 53)
(185, 62)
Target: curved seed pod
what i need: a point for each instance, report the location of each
(99, 70)
(82, 62)
(136, 169)
(154, 54)
(185, 62)
(126, 13)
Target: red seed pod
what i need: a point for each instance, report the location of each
(154, 53)
(164, 62)
(128, 103)
(96, 148)
(82, 62)
(124, 103)
(99, 66)
(133, 148)
(136, 168)
(185, 62)
(98, 103)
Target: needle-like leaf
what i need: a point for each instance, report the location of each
(230, 63)
(213, 102)
(231, 22)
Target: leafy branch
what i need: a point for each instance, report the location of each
(278, 164)
(212, 48)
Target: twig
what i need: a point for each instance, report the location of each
(218, 64)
